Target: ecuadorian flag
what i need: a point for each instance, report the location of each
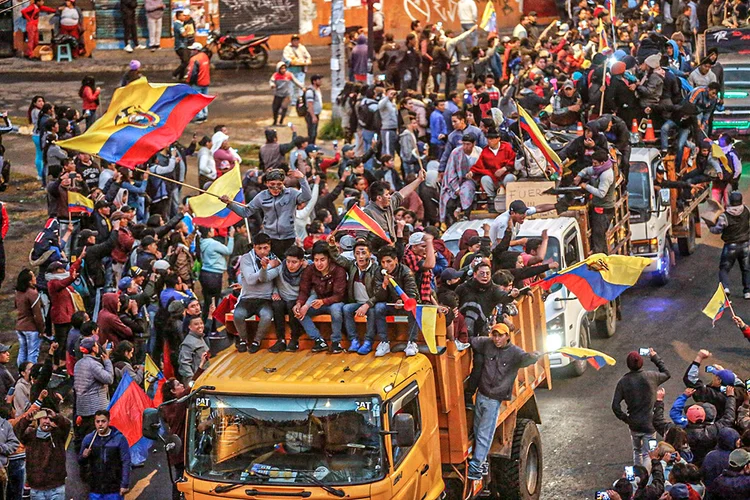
(426, 318)
(142, 118)
(595, 358)
(209, 210)
(528, 125)
(599, 279)
(716, 306)
(79, 204)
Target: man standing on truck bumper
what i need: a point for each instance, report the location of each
(638, 389)
(501, 363)
(734, 227)
(601, 184)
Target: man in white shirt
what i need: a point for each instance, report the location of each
(515, 215)
(297, 60)
(520, 31)
(467, 16)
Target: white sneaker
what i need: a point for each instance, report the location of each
(411, 349)
(141, 46)
(461, 346)
(726, 290)
(747, 296)
(128, 48)
(382, 349)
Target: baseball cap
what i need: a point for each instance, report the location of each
(347, 242)
(134, 65)
(86, 234)
(124, 283)
(347, 148)
(101, 204)
(518, 207)
(135, 271)
(195, 46)
(147, 240)
(501, 328)
(160, 265)
(87, 343)
(727, 377)
(679, 491)
(311, 148)
(735, 198)
(126, 209)
(4, 348)
(695, 414)
(739, 458)
(55, 266)
(176, 307)
(416, 239)
(450, 274)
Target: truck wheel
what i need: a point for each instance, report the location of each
(577, 368)
(607, 325)
(686, 245)
(662, 277)
(520, 477)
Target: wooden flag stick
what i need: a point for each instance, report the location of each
(202, 191)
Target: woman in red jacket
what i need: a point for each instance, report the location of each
(31, 14)
(90, 95)
(63, 299)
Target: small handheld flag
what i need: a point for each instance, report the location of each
(598, 279)
(153, 380)
(356, 220)
(489, 18)
(79, 204)
(595, 358)
(716, 306)
(426, 318)
(141, 119)
(410, 304)
(209, 210)
(528, 125)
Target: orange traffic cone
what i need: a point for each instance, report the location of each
(579, 129)
(650, 135)
(634, 127)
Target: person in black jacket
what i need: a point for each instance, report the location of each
(580, 148)
(706, 393)
(617, 133)
(106, 455)
(703, 434)
(734, 227)
(619, 96)
(637, 389)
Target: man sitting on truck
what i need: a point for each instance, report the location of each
(617, 133)
(580, 149)
(514, 216)
(325, 284)
(501, 364)
(286, 279)
(602, 186)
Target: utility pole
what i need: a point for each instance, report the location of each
(370, 42)
(338, 59)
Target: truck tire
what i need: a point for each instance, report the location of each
(607, 326)
(662, 277)
(576, 368)
(686, 245)
(520, 476)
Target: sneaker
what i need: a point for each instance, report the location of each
(320, 345)
(140, 46)
(242, 346)
(746, 296)
(383, 349)
(279, 346)
(293, 345)
(354, 345)
(461, 346)
(411, 349)
(726, 290)
(254, 347)
(128, 48)
(336, 348)
(198, 121)
(366, 348)
(485, 468)
(474, 475)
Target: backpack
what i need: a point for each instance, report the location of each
(301, 104)
(370, 119)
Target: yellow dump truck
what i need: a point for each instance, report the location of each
(298, 424)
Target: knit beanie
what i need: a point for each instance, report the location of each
(634, 361)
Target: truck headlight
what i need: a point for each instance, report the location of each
(555, 333)
(641, 247)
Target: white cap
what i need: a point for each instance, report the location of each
(195, 46)
(416, 239)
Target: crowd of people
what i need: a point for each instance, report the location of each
(136, 276)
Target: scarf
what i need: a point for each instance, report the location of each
(292, 278)
(602, 168)
(40, 434)
(57, 276)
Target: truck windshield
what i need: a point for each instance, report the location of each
(639, 186)
(279, 440)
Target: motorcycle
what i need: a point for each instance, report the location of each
(250, 50)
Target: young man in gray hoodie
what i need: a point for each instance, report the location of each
(388, 122)
(286, 279)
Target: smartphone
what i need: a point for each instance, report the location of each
(601, 494)
(109, 346)
(523, 290)
(629, 473)
(559, 23)
(643, 351)
(381, 78)
(747, 384)
(652, 443)
(673, 456)
(72, 175)
(723, 389)
(375, 137)
(11, 391)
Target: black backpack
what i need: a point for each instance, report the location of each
(370, 119)
(302, 102)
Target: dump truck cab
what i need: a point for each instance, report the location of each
(299, 424)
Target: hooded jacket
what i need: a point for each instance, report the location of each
(638, 389)
(111, 327)
(108, 462)
(61, 295)
(703, 393)
(718, 459)
(730, 485)
(703, 436)
(577, 150)
(359, 56)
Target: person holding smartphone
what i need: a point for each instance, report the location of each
(637, 389)
(94, 373)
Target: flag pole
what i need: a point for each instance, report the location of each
(167, 179)
(727, 299)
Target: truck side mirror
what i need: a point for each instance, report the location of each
(664, 195)
(173, 445)
(151, 423)
(403, 425)
(555, 288)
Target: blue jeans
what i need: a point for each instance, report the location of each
(105, 496)
(54, 494)
(203, 113)
(39, 159)
(28, 346)
(16, 479)
(351, 325)
(367, 137)
(735, 252)
(377, 315)
(640, 448)
(472, 40)
(337, 319)
(486, 412)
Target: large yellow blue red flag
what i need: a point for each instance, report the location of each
(529, 126)
(426, 317)
(210, 211)
(715, 307)
(598, 279)
(142, 119)
(489, 18)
